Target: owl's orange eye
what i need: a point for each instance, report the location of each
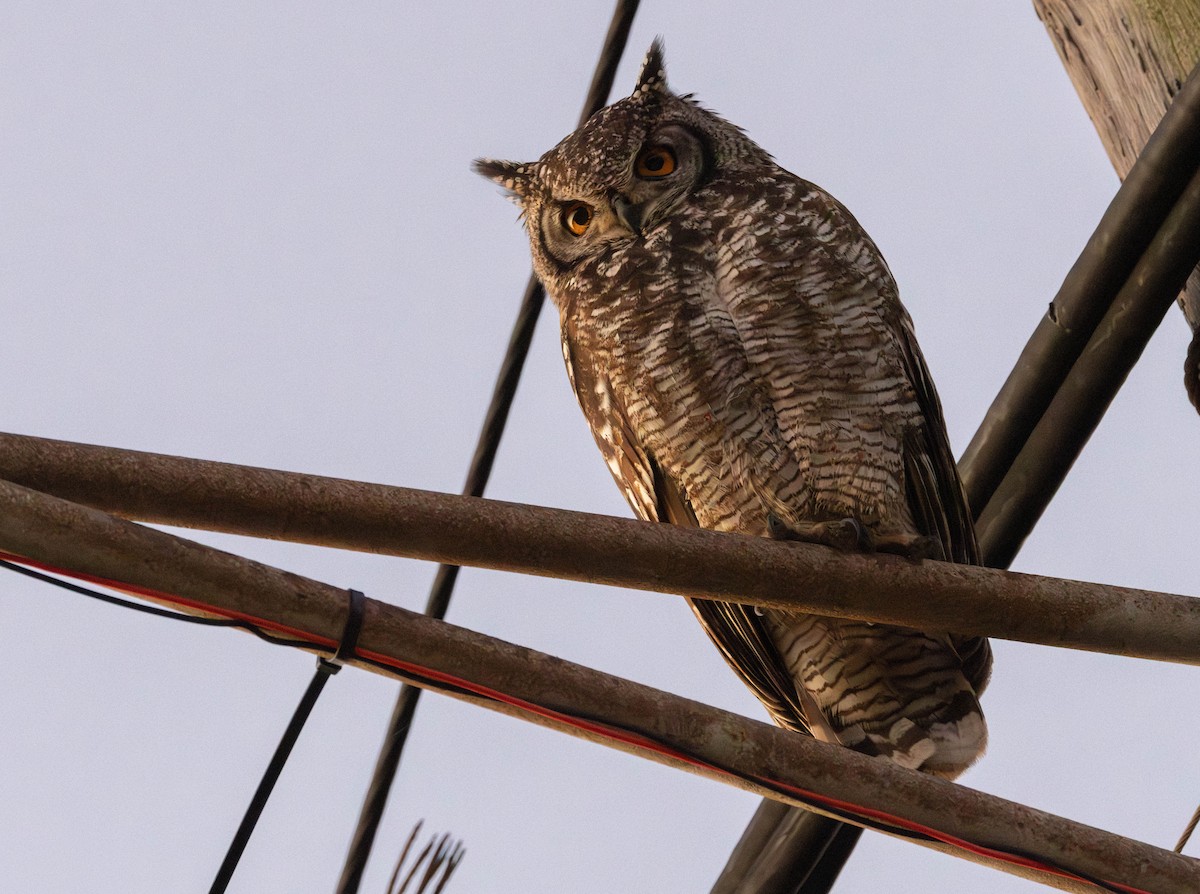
(576, 217)
(655, 162)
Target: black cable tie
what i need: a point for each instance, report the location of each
(349, 641)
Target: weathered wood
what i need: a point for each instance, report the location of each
(1127, 60)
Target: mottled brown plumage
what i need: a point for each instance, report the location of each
(738, 346)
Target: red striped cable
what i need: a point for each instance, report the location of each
(618, 734)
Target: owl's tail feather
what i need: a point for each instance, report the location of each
(944, 747)
(786, 850)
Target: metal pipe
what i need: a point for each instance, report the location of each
(581, 546)
(1084, 396)
(1136, 213)
(574, 699)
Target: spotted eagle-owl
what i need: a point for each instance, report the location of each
(736, 342)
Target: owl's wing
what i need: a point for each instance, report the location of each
(737, 630)
(935, 493)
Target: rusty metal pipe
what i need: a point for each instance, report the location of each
(581, 546)
(549, 691)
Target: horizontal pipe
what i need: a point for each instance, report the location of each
(537, 687)
(581, 546)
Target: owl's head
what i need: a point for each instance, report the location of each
(622, 174)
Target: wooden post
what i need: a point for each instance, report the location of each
(1127, 60)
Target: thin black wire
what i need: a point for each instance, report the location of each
(325, 669)
(154, 609)
(480, 470)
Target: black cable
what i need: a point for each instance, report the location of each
(326, 668)
(246, 828)
(154, 609)
(505, 389)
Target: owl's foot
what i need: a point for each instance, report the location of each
(855, 738)
(847, 535)
(914, 547)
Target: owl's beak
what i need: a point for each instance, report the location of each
(628, 213)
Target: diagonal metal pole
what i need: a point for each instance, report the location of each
(1042, 417)
(477, 476)
(1083, 397)
(1123, 236)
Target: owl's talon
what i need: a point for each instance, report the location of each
(914, 547)
(847, 535)
(777, 530)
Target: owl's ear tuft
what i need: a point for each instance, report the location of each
(653, 76)
(512, 175)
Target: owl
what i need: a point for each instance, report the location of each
(737, 344)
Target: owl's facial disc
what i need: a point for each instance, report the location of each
(665, 169)
(658, 175)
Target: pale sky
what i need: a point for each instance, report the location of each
(250, 232)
